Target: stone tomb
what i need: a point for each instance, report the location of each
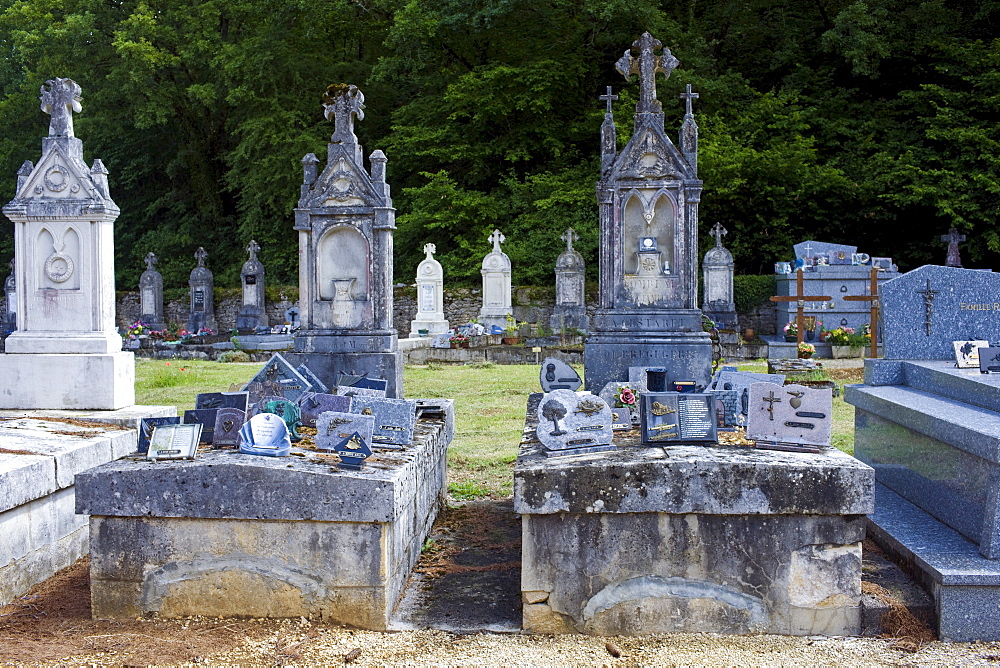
(717, 273)
(209, 529)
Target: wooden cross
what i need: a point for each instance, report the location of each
(687, 96)
(873, 298)
(801, 299)
(646, 66)
(609, 98)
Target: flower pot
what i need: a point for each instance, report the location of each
(810, 335)
(511, 340)
(804, 356)
(843, 352)
(749, 334)
(422, 332)
(791, 339)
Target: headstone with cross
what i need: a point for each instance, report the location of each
(430, 320)
(202, 285)
(790, 417)
(689, 130)
(800, 299)
(717, 269)
(609, 134)
(151, 295)
(953, 238)
(253, 311)
(570, 311)
(872, 298)
(496, 285)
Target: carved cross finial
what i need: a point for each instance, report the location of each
(343, 102)
(60, 100)
(497, 238)
(718, 232)
(646, 65)
(569, 236)
(201, 256)
(954, 258)
(253, 248)
(151, 261)
(608, 98)
(687, 96)
(430, 249)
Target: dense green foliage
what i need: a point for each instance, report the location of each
(752, 291)
(872, 123)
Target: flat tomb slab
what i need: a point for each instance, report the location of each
(277, 537)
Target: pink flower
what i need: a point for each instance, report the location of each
(627, 397)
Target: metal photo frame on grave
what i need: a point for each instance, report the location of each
(146, 426)
(174, 441)
(671, 418)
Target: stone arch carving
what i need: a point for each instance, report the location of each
(649, 214)
(343, 273)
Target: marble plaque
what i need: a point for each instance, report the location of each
(394, 419)
(354, 391)
(277, 378)
(206, 418)
(317, 385)
(557, 375)
(174, 441)
(312, 404)
(989, 360)
(353, 451)
(793, 414)
(670, 418)
(967, 353)
(715, 377)
(239, 400)
(228, 423)
(265, 434)
(570, 421)
(146, 429)
(740, 381)
(333, 427)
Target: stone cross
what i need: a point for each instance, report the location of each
(646, 66)
(928, 305)
(201, 256)
(608, 98)
(953, 238)
(343, 102)
(497, 238)
(569, 236)
(430, 249)
(253, 249)
(872, 297)
(687, 96)
(60, 100)
(718, 232)
(801, 299)
(151, 261)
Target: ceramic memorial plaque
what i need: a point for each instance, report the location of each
(265, 434)
(394, 419)
(146, 427)
(204, 417)
(741, 380)
(571, 423)
(239, 400)
(989, 360)
(317, 385)
(364, 382)
(353, 451)
(715, 377)
(312, 404)
(671, 418)
(623, 400)
(791, 414)
(333, 427)
(228, 423)
(354, 391)
(727, 409)
(277, 377)
(286, 410)
(967, 353)
(174, 441)
(557, 375)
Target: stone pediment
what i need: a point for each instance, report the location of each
(58, 176)
(342, 183)
(651, 155)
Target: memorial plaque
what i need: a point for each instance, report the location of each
(394, 419)
(574, 423)
(206, 418)
(353, 452)
(740, 381)
(239, 400)
(354, 391)
(967, 353)
(363, 382)
(670, 418)
(312, 404)
(174, 441)
(989, 360)
(333, 427)
(792, 414)
(265, 434)
(146, 426)
(557, 375)
(728, 411)
(626, 411)
(715, 377)
(287, 410)
(277, 378)
(317, 385)
(228, 423)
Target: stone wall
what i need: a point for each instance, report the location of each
(177, 310)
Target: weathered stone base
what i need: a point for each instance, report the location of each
(66, 381)
(686, 356)
(329, 355)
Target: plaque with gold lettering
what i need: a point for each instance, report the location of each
(671, 418)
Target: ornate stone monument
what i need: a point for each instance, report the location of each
(9, 321)
(253, 312)
(430, 296)
(953, 238)
(345, 222)
(66, 352)
(570, 311)
(151, 295)
(648, 199)
(717, 272)
(496, 285)
(202, 285)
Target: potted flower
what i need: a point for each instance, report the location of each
(844, 342)
(811, 324)
(459, 340)
(791, 331)
(510, 336)
(806, 350)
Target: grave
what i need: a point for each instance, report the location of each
(202, 285)
(648, 196)
(151, 295)
(570, 310)
(8, 323)
(496, 285)
(931, 431)
(717, 274)
(430, 297)
(345, 222)
(253, 312)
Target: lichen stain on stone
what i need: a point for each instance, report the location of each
(825, 576)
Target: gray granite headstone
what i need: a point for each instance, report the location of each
(715, 377)
(228, 422)
(317, 385)
(312, 404)
(355, 391)
(394, 418)
(570, 310)
(793, 414)
(557, 375)
(333, 427)
(925, 310)
(834, 251)
(151, 295)
(238, 400)
(253, 312)
(989, 360)
(571, 421)
(277, 378)
(201, 285)
(206, 418)
(741, 381)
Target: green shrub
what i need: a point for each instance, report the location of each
(752, 292)
(234, 356)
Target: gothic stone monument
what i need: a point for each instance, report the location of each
(570, 311)
(430, 296)
(253, 312)
(151, 295)
(202, 288)
(717, 270)
(648, 198)
(496, 285)
(66, 352)
(345, 221)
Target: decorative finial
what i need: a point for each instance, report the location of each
(497, 238)
(430, 249)
(343, 102)
(201, 256)
(608, 98)
(687, 96)
(151, 261)
(646, 65)
(253, 249)
(569, 236)
(60, 100)
(954, 258)
(718, 232)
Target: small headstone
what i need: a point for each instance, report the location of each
(239, 400)
(317, 385)
(442, 340)
(265, 434)
(313, 404)
(228, 422)
(151, 295)
(277, 378)
(989, 360)
(333, 427)
(174, 441)
(670, 418)
(206, 418)
(612, 394)
(353, 452)
(253, 312)
(570, 310)
(717, 282)
(571, 423)
(146, 426)
(728, 409)
(201, 285)
(557, 375)
(394, 419)
(648, 378)
(792, 414)
(292, 317)
(740, 381)
(496, 285)
(430, 297)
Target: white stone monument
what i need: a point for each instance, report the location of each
(570, 311)
(717, 274)
(66, 352)
(496, 285)
(430, 297)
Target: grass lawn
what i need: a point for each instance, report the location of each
(489, 408)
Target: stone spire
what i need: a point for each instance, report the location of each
(609, 134)
(689, 130)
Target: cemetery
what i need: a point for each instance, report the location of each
(665, 471)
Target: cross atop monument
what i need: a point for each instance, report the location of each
(60, 100)
(497, 238)
(687, 96)
(953, 238)
(201, 256)
(151, 261)
(646, 65)
(253, 248)
(430, 249)
(343, 102)
(718, 232)
(608, 98)
(569, 236)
